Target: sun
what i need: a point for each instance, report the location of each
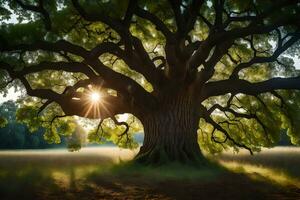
(94, 101)
(95, 96)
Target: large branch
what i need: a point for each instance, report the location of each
(59, 66)
(156, 21)
(218, 7)
(258, 17)
(179, 18)
(99, 17)
(123, 84)
(80, 106)
(109, 106)
(61, 45)
(117, 25)
(209, 66)
(191, 14)
(206, 115)
(228, 109)
(235, 86)
(132, 4)
(137, 60)
(185, 19)
(256, 27)
(41, 93)
(258, 59)
(141, 62)
(117, 81)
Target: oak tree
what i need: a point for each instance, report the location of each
(218, 73)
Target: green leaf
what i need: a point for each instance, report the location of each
(3, 122)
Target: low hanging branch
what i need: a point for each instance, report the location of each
(125, 132)
(206, 115)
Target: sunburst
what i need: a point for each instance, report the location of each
(95, 96)
(94, 101)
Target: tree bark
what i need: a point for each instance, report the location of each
(171, 133)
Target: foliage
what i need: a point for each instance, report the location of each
(3, 122)
(17, 136)
(76, 140)
(23, 132)
(233, 58)
(109, 132)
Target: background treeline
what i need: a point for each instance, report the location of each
(17, 136)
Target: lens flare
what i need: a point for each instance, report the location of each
(94, 102)
(95, 97)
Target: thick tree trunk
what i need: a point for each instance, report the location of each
(171, 133)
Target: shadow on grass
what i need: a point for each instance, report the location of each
(58, 177)
(25, 184)
(285, 160)
(183, 182)
(171, 171)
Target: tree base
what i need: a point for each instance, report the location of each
(159, 156)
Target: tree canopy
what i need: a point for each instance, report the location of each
(231, 58)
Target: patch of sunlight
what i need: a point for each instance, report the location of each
(258, 172)
(273, 150)
(66, 178)
(60, 178)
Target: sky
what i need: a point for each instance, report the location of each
(12, 95)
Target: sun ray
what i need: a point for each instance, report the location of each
(94, 102)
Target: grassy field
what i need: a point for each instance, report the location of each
(102, 173)
(280, 165)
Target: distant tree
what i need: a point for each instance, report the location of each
(217, 73)
(12, 135)
(77, 139)
(16, 135)
(284, 140)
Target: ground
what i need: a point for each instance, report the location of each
(93, 174)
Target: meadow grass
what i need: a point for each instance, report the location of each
(280, 165)
(171, 171)
(107, 173)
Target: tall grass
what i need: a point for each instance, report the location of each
(280, 165)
